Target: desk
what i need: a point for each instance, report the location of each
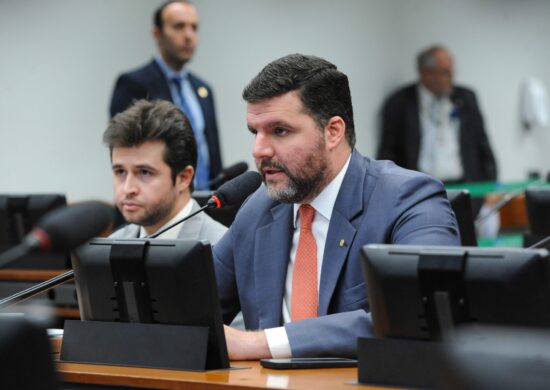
(253, 376)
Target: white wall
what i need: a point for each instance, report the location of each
(59, 59)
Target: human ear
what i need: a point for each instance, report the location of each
(335, 132)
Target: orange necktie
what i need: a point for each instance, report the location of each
(304, 299)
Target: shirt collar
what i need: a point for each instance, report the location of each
(184, 212)
(425, 95)
(168, 72)
(427, 98)
(324, 202)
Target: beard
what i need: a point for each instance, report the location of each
(153, 214)
(306, 183)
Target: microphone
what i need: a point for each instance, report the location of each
(231, 193)
(235, 191)
(506, 198)
(62, 229)
(229, 173)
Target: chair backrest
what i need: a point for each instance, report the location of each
(537, 202)
(461, 203)
(26, 356)
(19, 213)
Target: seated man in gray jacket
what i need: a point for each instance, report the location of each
(153, 158)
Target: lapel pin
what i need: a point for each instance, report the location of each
(203, 92)
(342, 243)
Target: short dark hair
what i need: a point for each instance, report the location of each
(322, 88)
(157, 120)
(426, 58)
(157, 16)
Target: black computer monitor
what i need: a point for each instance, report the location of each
(419, 292)
(151, 281)
(537, 202)
(18, 215)
(461, 203)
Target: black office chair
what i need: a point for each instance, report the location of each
(537, 204)
(461, 203)
(26, 356)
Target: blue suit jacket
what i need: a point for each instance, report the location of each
(148, 82)
(378, 202)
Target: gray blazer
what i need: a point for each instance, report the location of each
(199, 227)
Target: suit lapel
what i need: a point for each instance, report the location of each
(201, 98)
(159, 84)
(271, 256)
(341, 232)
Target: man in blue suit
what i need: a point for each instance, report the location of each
(165, 78)
(299, 111)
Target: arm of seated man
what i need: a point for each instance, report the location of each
(246, 345)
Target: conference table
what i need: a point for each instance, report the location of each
(242, 375)
(245, 375)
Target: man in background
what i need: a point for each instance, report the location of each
(153, 158)
(291, 259)
(175, 30)
(436, 127)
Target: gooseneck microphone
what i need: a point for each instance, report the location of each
(62, 229)
(506, 198)
(233, 192)
(229, 173)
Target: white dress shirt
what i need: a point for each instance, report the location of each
(323, 204)
(440, 145)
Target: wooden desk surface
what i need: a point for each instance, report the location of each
(29, 275)
(251, 376)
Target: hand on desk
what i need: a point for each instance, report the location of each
(246, 345)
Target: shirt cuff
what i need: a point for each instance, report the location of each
(277, 341)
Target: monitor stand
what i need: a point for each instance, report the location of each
(418, 363)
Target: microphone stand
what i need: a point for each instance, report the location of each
(544, 243)
(35, 290)
(506, 198)
(208, 205)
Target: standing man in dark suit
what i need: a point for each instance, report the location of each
(436, 127)
(291, 259)
(175, 30)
